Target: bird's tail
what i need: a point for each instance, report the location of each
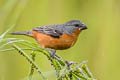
(28, 33)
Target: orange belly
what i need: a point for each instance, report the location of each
(64, 42)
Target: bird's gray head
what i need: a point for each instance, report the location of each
(77, 24)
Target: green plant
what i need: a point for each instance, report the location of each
(64, 69)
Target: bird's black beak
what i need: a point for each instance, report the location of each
(83, 27)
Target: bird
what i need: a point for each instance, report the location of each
(57, 36)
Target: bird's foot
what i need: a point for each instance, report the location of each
(52, 53)
(69, 63)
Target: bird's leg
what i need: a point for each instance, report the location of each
(53, 52)
(69, 63)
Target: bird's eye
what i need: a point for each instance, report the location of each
(76, 25)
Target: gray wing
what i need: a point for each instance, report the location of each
(53, 30)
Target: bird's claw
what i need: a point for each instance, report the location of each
(69, 63)
(52, 53)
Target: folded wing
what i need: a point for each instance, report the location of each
(53, 30)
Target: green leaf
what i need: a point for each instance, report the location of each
(3, 35)
(30, 60)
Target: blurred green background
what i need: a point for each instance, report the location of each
(99, 44)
